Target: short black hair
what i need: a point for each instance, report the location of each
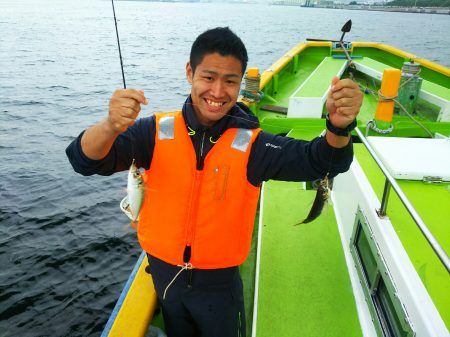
(219, 40)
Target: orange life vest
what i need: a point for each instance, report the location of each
(211, 210)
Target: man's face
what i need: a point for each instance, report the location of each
(215, 86)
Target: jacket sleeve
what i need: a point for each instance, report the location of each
(136, 143)
(284, 158)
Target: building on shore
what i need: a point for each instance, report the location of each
(354, 5)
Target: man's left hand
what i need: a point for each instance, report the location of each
(343, 102)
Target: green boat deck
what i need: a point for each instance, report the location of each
(315, 86)
(432, 202)
(301, 78)
(304, 286)
(284, 271)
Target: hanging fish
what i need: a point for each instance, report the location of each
(131, 204)
(322, 195)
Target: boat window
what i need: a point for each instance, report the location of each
(368, 263)
(388, 313)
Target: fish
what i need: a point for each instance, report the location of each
(132, 203)
(322, 195)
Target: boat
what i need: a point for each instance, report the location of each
(375, 262)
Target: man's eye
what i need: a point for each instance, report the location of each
(208, 78)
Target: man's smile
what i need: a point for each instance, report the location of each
(214, 103)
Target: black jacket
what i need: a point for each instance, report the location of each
(272, 156)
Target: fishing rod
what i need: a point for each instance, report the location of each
(131, 204)
(121, 67)
(118, 44)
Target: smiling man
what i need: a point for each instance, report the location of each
(203, 169)
(215, 86)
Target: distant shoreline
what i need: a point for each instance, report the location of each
(420, 10)
(302, 3)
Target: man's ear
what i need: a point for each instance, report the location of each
(189, 72)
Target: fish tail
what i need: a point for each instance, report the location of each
(319, 201)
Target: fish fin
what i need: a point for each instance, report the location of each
(134, 224)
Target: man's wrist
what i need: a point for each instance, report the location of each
(342, 132)
(109, 129)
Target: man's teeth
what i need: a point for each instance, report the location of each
(214, 103)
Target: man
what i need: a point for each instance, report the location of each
(204, 166)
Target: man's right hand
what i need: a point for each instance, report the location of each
(124, 108)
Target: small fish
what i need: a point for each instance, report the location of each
(322, 195)
(131, 204)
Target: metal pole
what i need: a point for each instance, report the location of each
(384, 201)
(409, 207)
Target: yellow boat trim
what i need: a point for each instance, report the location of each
(426, 63)
(138, 306)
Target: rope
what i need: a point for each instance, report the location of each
(186, 266)
(251, 92)
(410, 78)
(383, 98)
(252, 83)
(252, 97)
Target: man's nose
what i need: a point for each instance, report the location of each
(217, 89)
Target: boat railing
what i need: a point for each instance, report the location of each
(391, 182)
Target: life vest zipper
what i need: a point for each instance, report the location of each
(200, 160)
(192, 215)
(193, 208)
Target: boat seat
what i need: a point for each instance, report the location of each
(431, 92)
(414, 158)
(308, 100)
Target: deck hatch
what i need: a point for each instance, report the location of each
(388, 313)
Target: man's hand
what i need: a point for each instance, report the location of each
(124, 108)
(344, 101)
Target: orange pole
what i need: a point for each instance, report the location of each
(253, 72)
(389, 87)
